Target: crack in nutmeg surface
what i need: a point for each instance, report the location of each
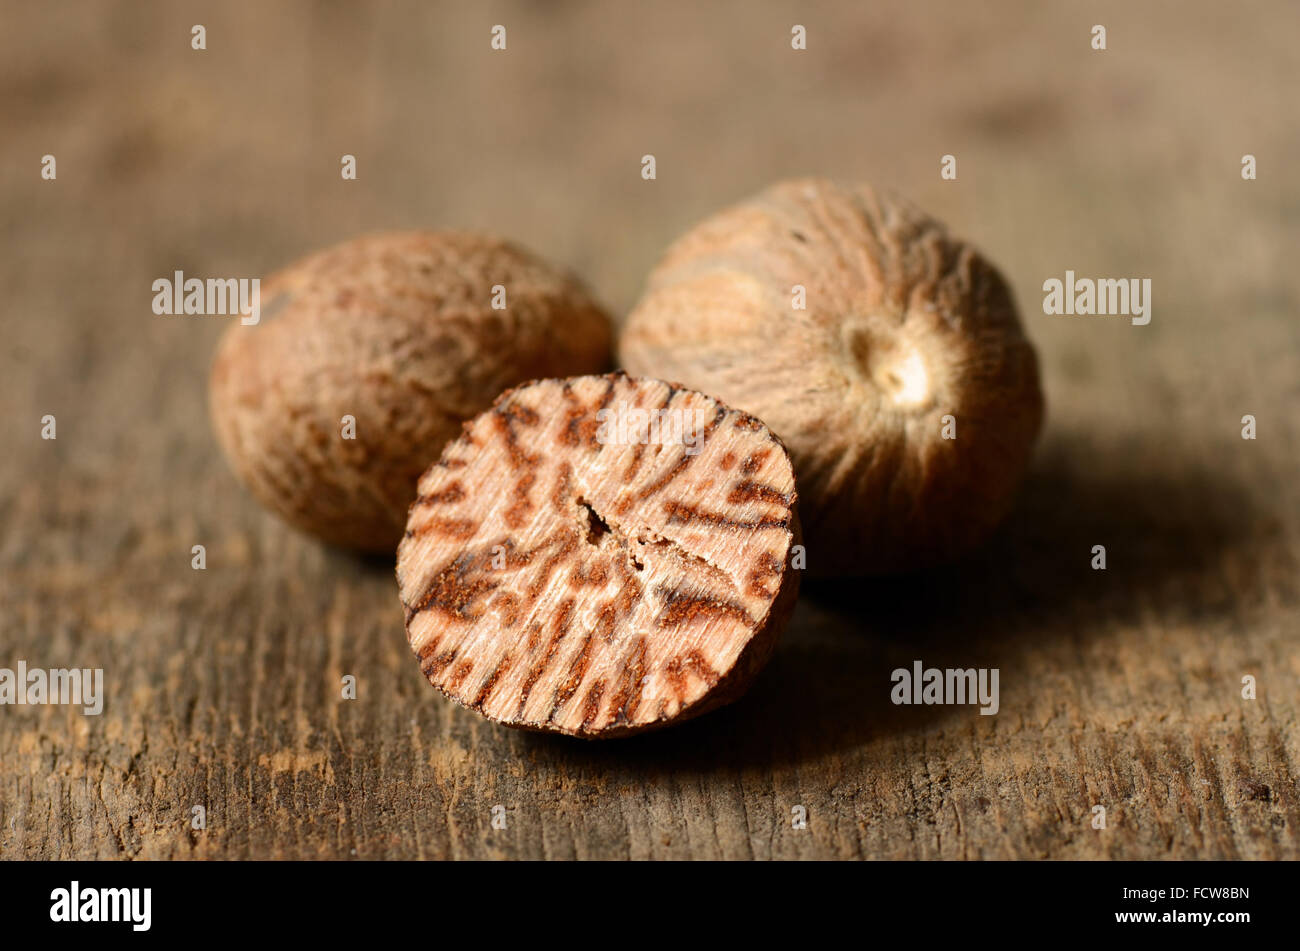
(600, 579)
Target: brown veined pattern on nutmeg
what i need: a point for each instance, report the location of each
(907, 335)
(570, 565)
(398, 331)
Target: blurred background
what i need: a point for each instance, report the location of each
(226, 162)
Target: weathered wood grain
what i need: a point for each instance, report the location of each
(1119, 688)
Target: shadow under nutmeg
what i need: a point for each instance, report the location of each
(1168, 525)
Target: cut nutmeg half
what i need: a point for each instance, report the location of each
(884, 351)
(599, 556)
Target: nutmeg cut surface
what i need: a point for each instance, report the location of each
(885, 353)
(600, 556)
(399, 332)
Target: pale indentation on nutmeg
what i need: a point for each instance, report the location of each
(893, 365)
(907, 379)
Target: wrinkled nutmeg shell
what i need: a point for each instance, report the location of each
(904, 325)
(564, 572)
(398, 331)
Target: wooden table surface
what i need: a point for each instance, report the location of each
(1119, 688)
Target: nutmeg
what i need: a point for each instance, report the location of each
(600, 556)
(885, 353)
(370, 355)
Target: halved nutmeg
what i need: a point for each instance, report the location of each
(599, 556)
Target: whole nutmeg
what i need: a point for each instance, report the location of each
(369, 356)
(884, 352)
(600, 556)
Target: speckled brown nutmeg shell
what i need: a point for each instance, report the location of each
(562, 571)
(398, 331)
(904, 325)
